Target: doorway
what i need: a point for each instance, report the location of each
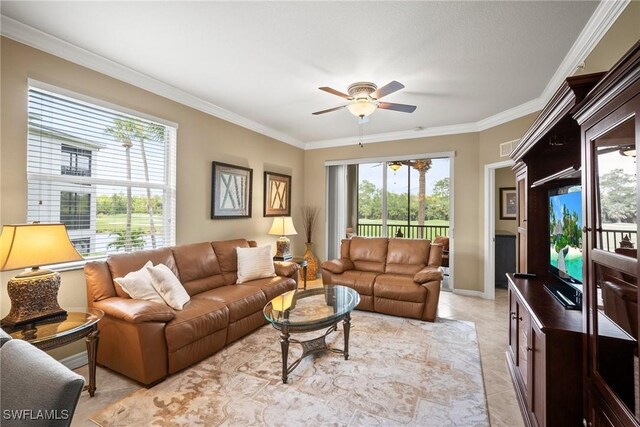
(499, 225)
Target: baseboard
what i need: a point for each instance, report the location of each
(75, 361)
(469, 293)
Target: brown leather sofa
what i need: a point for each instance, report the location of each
(400, 277)
(147, 341)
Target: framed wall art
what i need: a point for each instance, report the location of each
(277, 194)
(231, 188)
(508, 206)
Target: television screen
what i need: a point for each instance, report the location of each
(565, 234)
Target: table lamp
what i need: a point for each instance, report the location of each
(34, 293)
(283, 226)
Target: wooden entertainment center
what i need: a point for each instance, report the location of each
(575, 367)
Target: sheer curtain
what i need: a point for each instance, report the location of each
(336, 209)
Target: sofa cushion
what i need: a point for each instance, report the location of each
(139, 285)
(198, 319)
(225, 251)
(198, 266)
(121, 264)
(241, 300)
(398, 287)
(361, 281)
(368, 254)
(254, 263)
(168, 286)
(273, 286)
(406, 256)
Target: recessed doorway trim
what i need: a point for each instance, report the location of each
(490, 226)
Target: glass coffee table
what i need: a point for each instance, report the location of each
(307, 311)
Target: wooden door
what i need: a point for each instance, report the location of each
(537, 375)
(521, 220)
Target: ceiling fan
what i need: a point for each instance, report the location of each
(364, 99)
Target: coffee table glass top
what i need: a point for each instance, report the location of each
(310, 307)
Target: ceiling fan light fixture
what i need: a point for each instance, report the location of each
(362, 107)
(395, 166)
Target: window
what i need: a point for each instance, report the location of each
(75, 161)
(105, 172)
(75, 210)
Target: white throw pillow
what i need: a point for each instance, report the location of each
(137, 285)
(168, 286)
(255, 263)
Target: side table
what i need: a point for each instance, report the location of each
(54, 333)
(302, 263)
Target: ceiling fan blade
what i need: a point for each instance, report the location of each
(387, 89)
(397, 107)
(334, 92)
(329, 110)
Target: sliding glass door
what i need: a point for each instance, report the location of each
(402, 198)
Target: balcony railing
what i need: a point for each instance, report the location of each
(408, 231)
(610, 239)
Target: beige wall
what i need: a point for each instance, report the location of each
(505, 178)
(622, 35)
(201, 139)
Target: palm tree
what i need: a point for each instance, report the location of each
(127, 130)
(135, 240)
(422, 166)
(124, 131)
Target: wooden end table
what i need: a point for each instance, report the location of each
(54, 333)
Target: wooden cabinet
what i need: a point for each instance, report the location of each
(544, 355)
(610, 124)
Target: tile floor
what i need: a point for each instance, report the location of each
(491, 324)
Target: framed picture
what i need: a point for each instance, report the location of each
(508, 204)
(231, 188)
(277, 194)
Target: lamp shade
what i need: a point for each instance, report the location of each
(282, 226)
(362, 107)
(33, 245)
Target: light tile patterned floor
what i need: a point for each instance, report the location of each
(491, 323)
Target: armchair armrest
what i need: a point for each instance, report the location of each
(286, 268)
(428, 274)
(135, 310)
(338, 266)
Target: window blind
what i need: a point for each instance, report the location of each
(108, 175)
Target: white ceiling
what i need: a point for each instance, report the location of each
(461, 62)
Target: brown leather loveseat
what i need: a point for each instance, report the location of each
(147, 341)
(400, 277)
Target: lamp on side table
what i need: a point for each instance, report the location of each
(34, 293)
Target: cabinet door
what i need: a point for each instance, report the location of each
(513, 326)
(524, 322)
(612, 269)
(537, 375)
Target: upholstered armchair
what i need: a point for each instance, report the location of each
(35, 389)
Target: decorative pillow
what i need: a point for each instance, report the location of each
(168, 286)
(254, 263)
(137, 284)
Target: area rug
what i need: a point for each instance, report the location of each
(399, 372)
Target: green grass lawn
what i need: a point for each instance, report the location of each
(139, 221)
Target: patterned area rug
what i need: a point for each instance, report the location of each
(399, 372)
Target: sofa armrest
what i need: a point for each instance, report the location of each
(428, 274)
(338, 266)
(286, 268)
(135, 310)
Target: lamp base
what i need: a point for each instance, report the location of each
(283, 249)
(33, 299)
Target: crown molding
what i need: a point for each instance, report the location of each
(599, 23)
(40, 40)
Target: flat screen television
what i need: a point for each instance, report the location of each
(565, 241)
